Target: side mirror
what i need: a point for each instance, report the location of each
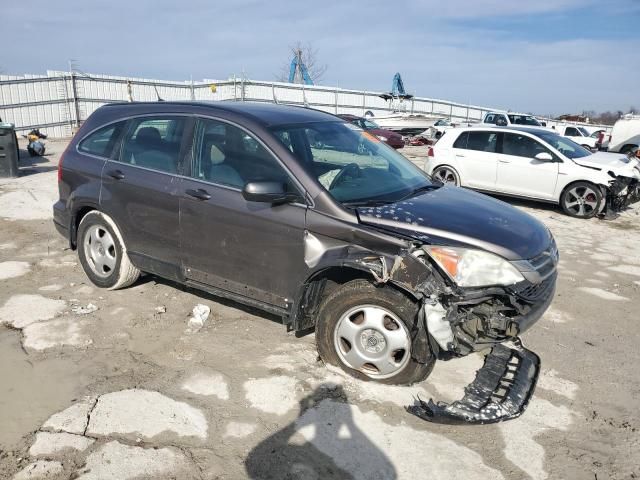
(544, 157)
(266, 192)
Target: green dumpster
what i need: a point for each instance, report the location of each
(8, 151)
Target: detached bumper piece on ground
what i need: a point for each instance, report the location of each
(501, 390)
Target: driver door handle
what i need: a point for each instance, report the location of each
(199, 194)
(116, 174)
(502, 160)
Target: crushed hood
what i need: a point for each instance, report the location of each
(457, 216)
(618, 163)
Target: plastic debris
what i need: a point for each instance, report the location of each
(80, 310)
(161, 309)
(200, 313)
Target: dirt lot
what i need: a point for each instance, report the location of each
(126, 390)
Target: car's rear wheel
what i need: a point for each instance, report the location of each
(447, 174)
(365, 330)
(103, 254)
(581, 200)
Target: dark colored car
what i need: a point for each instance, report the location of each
(298, 213)
(392, 139)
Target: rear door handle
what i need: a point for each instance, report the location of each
(200, 194)
(116, 174)
(459, 155)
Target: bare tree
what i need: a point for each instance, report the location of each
(309, 55)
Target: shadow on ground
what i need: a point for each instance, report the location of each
(283, 456)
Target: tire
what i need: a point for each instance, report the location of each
(103, 254)
(581, 200)
(342, 314)
(447, 175)
(587, 147)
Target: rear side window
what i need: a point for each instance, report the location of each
(461, 141)
(490, 119)
(572, 132)
(154, 142)
(102, 141)
(482, 141)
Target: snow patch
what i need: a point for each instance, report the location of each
(73, 419)
(53, 443)
(13, 269)
(55, 333)
(519, 435)
(147, 414)
(272, 395)
(366, 447)
(239, 429)
(40, 470)
(23, 310)
(115, 461)
(213, 384)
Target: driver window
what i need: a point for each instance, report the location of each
(227, 155)
(521, 146)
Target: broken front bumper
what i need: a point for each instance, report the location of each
(622, 192)
(501, 390)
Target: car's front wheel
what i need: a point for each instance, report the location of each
(103, 254)
(365, 330)
(581, 200)
(447, 174)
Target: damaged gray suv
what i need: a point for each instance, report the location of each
(303, 215)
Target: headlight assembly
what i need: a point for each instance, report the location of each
(469, 267)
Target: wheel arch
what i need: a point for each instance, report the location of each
(323, 281)
(79, 213)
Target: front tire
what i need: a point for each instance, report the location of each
(365, 330)
(581, 200)
(103, 254)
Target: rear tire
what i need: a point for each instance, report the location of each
(344, 332)
(581, 200)
(447, 175)
(103, 254)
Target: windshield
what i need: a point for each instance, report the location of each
(351, 164)
(584, 131)
(369, 125)
(523, 120)
(567, 147)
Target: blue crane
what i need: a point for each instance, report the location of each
(397, 89)
(298, 72)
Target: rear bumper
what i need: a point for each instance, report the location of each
(61, 219)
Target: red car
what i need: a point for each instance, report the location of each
(392, 139)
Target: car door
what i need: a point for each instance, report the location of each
(140, 190)
(476, 158)
(519, 173)
(248, 248)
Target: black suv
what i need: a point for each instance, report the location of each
(304, 215)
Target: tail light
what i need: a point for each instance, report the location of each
(60, 167)
(430, 152)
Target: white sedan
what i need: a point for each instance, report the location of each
(536, 164)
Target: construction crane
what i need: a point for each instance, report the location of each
(298, 72)
(397, 89)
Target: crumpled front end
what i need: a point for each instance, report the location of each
(622, 192)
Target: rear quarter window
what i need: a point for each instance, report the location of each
(461, 141)
(102, 141)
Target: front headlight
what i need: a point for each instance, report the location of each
(468, 267)
(380, 137)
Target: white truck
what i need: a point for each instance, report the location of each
(510, 119)
(578, 134)
(625, 136)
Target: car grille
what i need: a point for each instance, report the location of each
(533, 292)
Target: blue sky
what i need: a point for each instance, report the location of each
(541, 56)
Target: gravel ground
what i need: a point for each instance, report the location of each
(115, 385)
